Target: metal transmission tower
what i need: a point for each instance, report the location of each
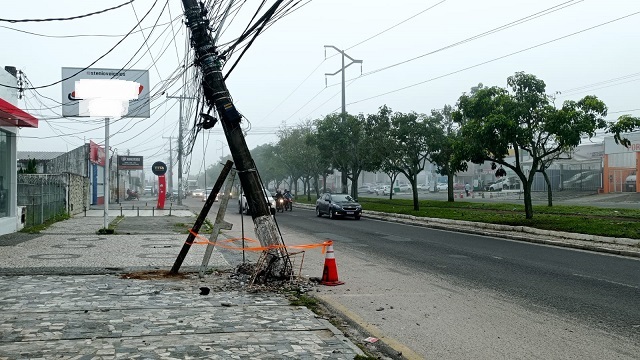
(344, 96)
(276, 262)
(180, 150)
(353, 61)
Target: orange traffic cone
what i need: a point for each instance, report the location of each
(330, 272)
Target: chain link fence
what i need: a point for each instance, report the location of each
(43, 195)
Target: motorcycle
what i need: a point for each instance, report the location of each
(132, 195)
(288, 204)
(280, 205)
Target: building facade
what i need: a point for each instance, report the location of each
(12, 118)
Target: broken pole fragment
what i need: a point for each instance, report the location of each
(201, 217)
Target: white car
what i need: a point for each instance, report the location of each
(243, 207)
(198, 193)
(385, 190)
(442, 186)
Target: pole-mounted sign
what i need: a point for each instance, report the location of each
(130, 162)
(159, 168)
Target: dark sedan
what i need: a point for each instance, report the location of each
(338, 205)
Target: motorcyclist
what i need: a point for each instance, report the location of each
(279, 196)
(288, 198)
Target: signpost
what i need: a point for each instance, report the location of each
(127, 163)
(159, 168)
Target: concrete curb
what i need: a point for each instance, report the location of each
(610, 245)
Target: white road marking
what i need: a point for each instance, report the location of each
(605, 280)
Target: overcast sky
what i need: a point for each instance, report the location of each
(410, 67)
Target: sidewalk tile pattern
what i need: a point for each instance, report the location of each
(106, 317)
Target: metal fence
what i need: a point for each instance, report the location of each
(43, 195)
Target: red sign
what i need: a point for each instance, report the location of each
(162, 189)
(96, 153)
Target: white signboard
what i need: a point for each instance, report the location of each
(610, 146)
(140, 107)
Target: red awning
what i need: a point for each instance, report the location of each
(13, 116)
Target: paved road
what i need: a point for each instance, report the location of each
(462, 292)
(595, 287)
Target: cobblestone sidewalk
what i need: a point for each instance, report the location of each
(106, 317)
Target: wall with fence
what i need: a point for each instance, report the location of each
(43, 195)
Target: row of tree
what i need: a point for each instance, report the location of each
(483, 126)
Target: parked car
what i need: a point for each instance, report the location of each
(385, 190)
(365, 189)
(630, 182)
(338, 205)
(442, 186)
(243, 206)
(576, 180)
(404, 187)
(506, 183)
(423, 187)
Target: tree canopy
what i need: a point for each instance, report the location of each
(523, 120)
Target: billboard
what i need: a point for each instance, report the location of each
(140, 107)
(129, 162)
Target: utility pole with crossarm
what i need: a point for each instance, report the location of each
(276, 262)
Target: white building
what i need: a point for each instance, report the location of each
(12, 118)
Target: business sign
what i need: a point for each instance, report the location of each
(96, 153)
(129, 162)
(140, 107)
(159, 168)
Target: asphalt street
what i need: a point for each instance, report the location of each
(524, 299)
(595, 287)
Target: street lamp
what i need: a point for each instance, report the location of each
(108, 98)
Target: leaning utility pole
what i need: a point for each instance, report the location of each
(344, 96)
(276, 259)
(180, 150)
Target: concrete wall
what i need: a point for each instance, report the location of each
(78, 193)
(74, 162)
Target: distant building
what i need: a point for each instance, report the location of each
(42, 159)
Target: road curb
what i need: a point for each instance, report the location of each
(518, 233)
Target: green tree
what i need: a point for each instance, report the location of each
(495, 120)
(268, 164)
(446, 142)
(414, 136)
(348, 144)
(387, 154)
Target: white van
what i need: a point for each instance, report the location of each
(243, 206)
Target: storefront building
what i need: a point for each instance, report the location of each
(12, 118)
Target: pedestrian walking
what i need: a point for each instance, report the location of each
(467, 189)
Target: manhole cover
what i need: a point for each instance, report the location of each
(54, 256)
(72, 246)
(93, 238)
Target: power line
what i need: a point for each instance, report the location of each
(396, 25)
(95, 61)
(520, 21)
(67, 18)
(527, 18)
(83, 35)
(497, 58)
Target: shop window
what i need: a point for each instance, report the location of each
(5, 172)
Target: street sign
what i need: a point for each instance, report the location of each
(130, 162)
(159, 168)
